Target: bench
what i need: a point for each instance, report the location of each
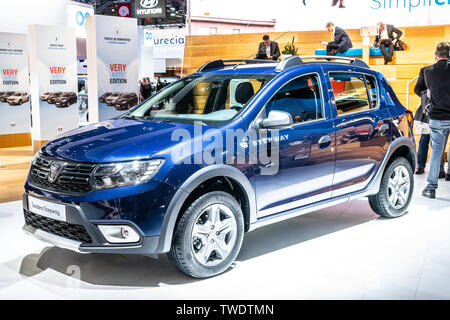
(357, 52)
(354, 52)
(376, 52)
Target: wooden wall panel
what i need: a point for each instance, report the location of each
(420, 41)
(15, 140)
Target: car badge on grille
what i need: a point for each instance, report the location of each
(55, 170)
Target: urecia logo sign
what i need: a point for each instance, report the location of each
(150, 8)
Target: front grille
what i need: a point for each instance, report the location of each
(63, 229)
(74, 177)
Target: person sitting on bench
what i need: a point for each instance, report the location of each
(341, 42)
(385, 38)
(268, 49)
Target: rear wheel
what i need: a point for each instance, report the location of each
(208, 236)
(396, 189)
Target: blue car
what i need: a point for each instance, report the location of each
(236, 146)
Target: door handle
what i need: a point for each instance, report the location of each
(324, 142)
(383, 129)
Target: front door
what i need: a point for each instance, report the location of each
(306, 149)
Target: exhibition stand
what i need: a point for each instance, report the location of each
(15, 122)
(53, 76)
(112, 55)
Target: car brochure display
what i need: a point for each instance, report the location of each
(14, 86)
(54, 82)
(112, 55)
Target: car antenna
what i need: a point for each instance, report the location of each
(255, 52)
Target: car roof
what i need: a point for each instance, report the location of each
(254, 66)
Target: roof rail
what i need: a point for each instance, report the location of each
(216, 64)
(353, 61)
(282, 65)
(289, 62)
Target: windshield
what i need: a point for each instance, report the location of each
(210, 99)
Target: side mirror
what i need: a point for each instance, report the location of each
(277, 119)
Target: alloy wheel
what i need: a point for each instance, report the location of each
(214, 235)
(398, 187)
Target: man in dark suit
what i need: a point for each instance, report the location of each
(335, 2)
(421, 90)
(268, 49)
(385, 38)
(437, 78)
(341, 42)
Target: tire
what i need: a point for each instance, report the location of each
(194, 239)
(394, 195)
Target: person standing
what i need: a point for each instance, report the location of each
(438, 82)
(159, 84)
(146, 89)
(385, 38)
(341, 40)
(421, 90)
(268, 49)
(335, 2)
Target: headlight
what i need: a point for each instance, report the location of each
(123, 174)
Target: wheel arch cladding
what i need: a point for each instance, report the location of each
(211, 178)
(405, 152)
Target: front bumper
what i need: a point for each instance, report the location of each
(63, 234)
(122, 107)
(61, 104)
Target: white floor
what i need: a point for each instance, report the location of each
(344, 252)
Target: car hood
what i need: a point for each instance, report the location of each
(113, 140)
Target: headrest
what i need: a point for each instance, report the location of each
(244, 92)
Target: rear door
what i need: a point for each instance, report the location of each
(362, 128)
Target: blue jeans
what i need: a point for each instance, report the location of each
(439, 130)
(422, 153)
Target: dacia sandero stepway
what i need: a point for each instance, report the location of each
(179, 174)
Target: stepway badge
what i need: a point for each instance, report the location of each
(150, 8)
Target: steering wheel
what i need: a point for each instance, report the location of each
(237, 108)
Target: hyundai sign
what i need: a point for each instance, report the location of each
(150, 8)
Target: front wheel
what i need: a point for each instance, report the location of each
(396, 189)
(208, 235)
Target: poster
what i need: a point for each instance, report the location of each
(14, 87)
(53, 75)
(112, 55)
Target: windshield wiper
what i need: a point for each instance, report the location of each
(131, 117)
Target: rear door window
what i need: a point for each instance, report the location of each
(353, 92)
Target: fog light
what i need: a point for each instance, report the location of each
(119, 233)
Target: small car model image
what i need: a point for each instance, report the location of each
(66, 99)
(45, 96)
(18, 98)
(337, 130)
(51, 98)
(126, 101)
(104, 96)
(5, 95)
(111, 99)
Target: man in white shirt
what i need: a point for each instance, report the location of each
(268, 49)
(385, 38)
